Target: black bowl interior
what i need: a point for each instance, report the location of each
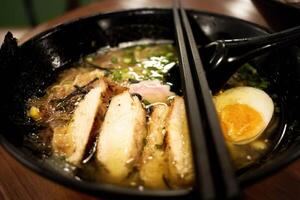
(27, 70)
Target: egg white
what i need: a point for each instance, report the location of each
(255, 98)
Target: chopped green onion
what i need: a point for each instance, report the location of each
(127, 60)
(114, 60)
(89, 59)
(159, 146)
(117, 75)
(146, 102)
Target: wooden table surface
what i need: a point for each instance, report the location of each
(17, 182)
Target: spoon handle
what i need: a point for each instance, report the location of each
(240, 50)
(224, 57)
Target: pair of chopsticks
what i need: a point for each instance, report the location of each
(215, 178)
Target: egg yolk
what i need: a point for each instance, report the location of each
(240, 122)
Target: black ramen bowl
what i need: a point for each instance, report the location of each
(28, 69)
(279, 15)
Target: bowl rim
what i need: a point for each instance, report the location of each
(145, 10)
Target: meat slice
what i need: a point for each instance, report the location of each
(71, 140)
(153, 166)
(121, 137)
(152, 90)
(178, 150)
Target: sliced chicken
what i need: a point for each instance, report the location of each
(153, 166)
(178, 150)
(121, 137)
(71, 140)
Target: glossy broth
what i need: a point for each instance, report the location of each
(124, 66)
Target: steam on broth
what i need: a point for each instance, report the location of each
(115, 117)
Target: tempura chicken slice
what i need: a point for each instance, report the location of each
(71, 139)
(121, 137)
(178, 149)
(153, 163)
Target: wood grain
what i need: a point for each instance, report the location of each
(17, 182)
(283, 185)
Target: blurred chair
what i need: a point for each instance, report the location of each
(31, 15)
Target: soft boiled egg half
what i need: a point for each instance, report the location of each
(244, 113)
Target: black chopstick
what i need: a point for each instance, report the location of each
(224, 180)
(222, 158)
(204, 179)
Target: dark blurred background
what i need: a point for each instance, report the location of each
(19, 16)
(23, 13)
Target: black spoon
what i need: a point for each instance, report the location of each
(223, 58)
